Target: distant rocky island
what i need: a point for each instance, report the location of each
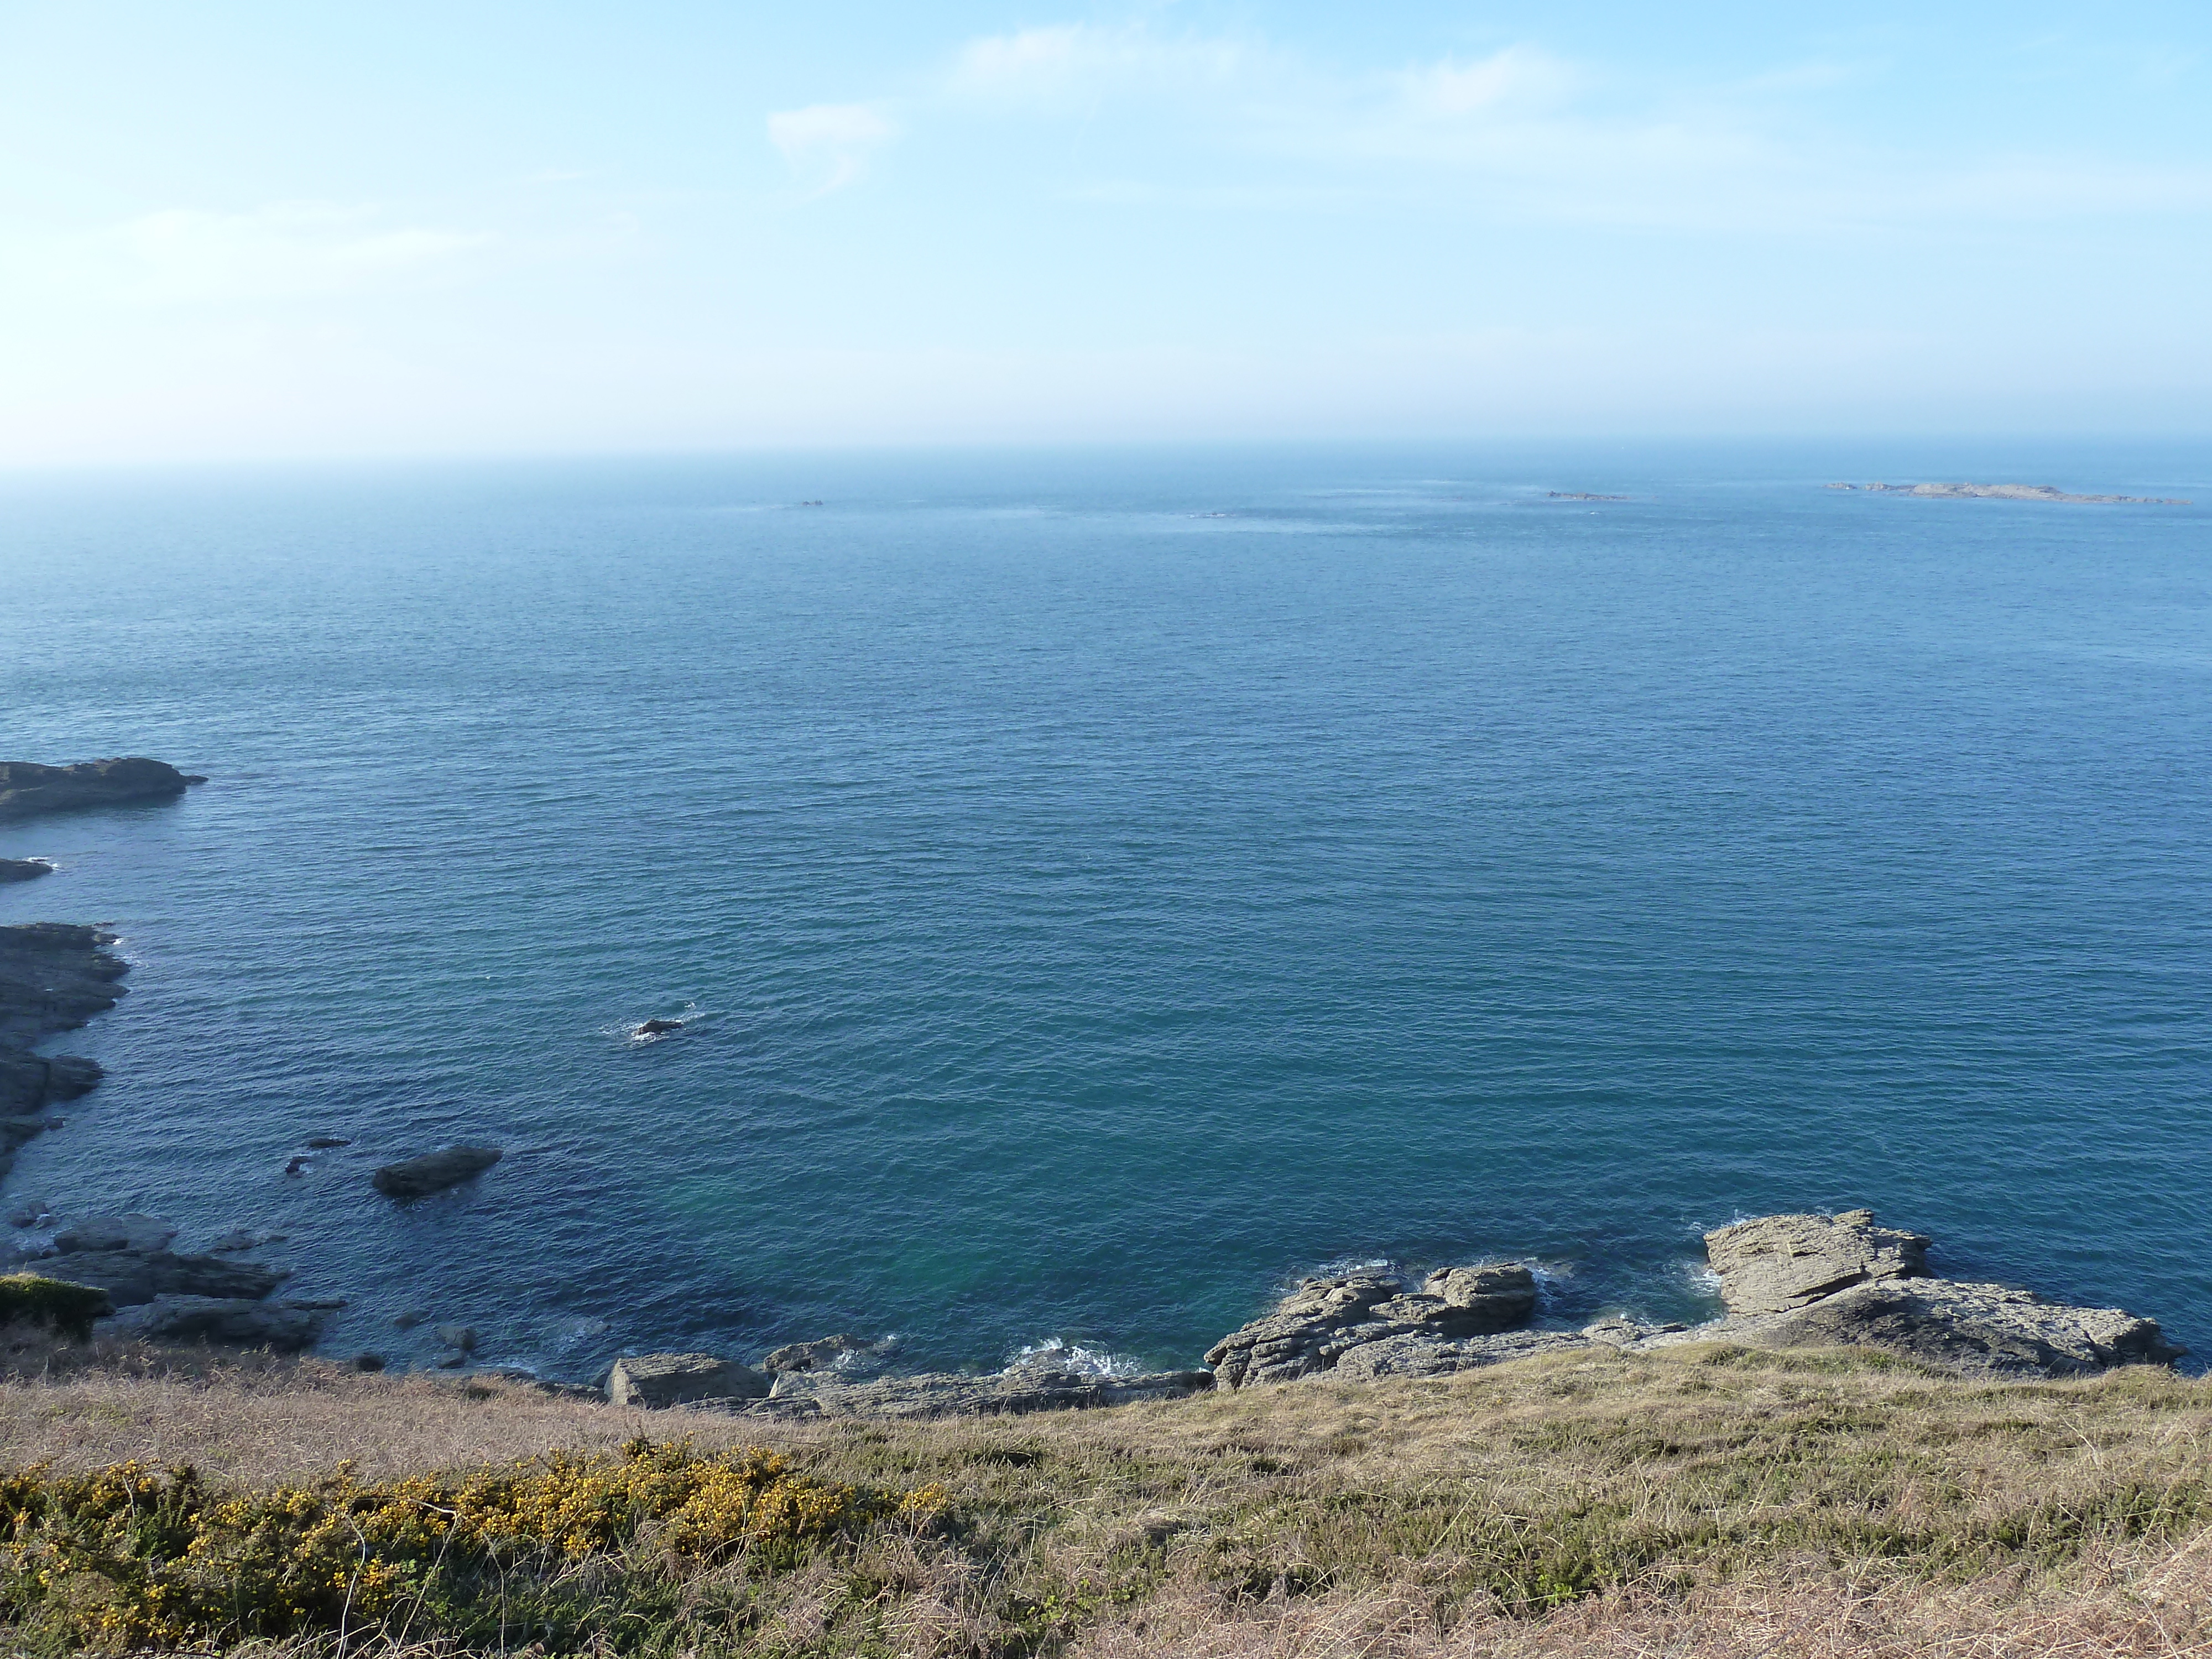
(2011, 492)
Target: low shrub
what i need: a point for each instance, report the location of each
(136, 1557)
(35, 1299)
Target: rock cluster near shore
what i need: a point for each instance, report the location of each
(27, 789)
(53, 978)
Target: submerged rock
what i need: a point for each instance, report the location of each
(23, 869)
(660, 1027)
(130, 1232)
(1782, 1262)
(654, 1380)
(822, 1352)
(415, 1177)
(28, 788)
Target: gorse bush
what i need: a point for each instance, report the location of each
(136, 1557)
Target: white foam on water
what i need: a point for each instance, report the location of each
(1077, 1357)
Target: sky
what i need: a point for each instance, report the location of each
(247, 231)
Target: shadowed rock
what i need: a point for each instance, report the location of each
(1782, 1262)
(232, 1321)
(131, 1231)
(23, 870)
(654, 1380)
(435, 1171)
(131, 1277)
(28, 788)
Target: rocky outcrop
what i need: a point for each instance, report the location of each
(27, 789)
(416, 1177)
(653, 1027)
(230, 1321)
(53, 978)
(1986, 1330)
(1323, 1319)
(1782, 1262)
(654, 1380)
(23, 870)
(1788, 1280)
(132, 1277)
(1014, 1392)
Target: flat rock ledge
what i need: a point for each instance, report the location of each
(1789, 1281)
(27, 789)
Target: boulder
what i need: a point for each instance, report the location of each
(1778, 1262)
(1984, 1330)
(23, 870)
(434, 1172)
(463, 1337)
(134, 1277)
(28, 788)
(654, 1380)
(231, 1322)
(130, 1232)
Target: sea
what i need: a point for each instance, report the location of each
(1100, 887)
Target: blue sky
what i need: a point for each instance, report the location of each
(239, 231)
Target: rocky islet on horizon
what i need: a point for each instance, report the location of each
(2011, 492)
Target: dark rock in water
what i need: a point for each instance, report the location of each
(368, 1361)
(53, 977)
(434, 1172)
(654, 1380)
(131, 1277)
(231, 1322)
(297, 1166)
(323, 1143)
(463, 1337)
(132, 1231)
(1024, 1389)
(23, 869)
(27, 789)
(823, 1351)
(660, 1027)
(1782, 1262)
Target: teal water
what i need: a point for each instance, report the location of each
(1088, 912)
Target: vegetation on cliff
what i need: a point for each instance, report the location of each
(1681, 1502)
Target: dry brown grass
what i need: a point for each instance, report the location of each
(1705, 1502)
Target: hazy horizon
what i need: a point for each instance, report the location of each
(243, 235)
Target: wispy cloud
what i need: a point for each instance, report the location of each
(828, 145)
(1521, 131)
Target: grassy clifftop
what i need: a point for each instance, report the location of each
(1699, 1502)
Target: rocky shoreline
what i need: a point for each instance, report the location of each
(1787, 1281)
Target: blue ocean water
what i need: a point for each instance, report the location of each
(1098, 887)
